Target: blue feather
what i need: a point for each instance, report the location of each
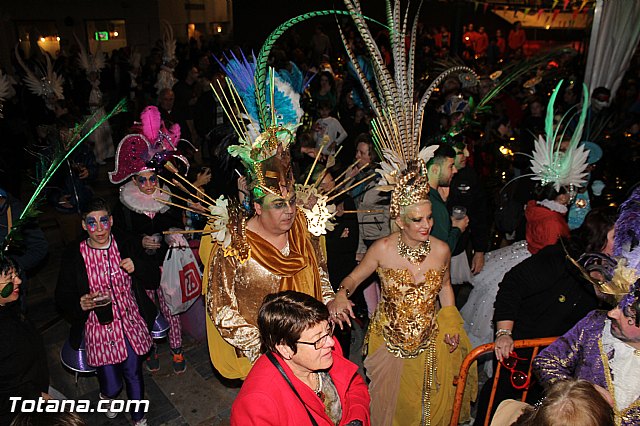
(287, 100)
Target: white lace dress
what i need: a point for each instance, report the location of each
(478, 311)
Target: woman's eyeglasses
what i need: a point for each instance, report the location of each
(319, 344)
(519, 379)
(153, 179)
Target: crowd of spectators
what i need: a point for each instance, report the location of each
(337, 120)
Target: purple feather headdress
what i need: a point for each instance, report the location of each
(627, 248)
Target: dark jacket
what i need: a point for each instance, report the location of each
(73, 283)
(543, 295)
(136, 225)
(23, 360)
(467, 191)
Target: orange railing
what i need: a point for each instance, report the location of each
(461, 380)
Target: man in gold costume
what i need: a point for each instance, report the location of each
(271, 251)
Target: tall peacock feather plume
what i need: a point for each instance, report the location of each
(261, 69)
(264, 110)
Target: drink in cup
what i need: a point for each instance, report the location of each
(458, 212)
(103, 309)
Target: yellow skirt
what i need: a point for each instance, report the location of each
(398, 400)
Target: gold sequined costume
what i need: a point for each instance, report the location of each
(409, 364)
(234, 291)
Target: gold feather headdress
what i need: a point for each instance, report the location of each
(399, 112)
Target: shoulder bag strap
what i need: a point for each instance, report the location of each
(275, 362)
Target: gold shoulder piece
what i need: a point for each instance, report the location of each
(236, 227)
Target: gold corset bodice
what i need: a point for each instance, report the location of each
(406, 315)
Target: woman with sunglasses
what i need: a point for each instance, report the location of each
(302, 377)
(142, 216)
(23, 361)
(143, 213)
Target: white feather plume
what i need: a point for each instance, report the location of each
(48, 84)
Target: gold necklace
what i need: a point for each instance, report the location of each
(414, 255)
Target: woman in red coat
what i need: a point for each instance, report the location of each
(301, 378)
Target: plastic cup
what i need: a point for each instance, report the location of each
(103, 309)
(458, 212)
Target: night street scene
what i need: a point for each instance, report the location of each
(345, 212)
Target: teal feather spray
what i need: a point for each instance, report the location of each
(78, 135)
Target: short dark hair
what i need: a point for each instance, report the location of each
(7, 265)
(94, 205)
(443, 152)
(64, 418)
(285, 315)
(570, 403)
(366, 138)
(548, 192)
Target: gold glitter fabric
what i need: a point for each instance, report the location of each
(411, 187)
(406, 314)
(235, 291)
(420, 390)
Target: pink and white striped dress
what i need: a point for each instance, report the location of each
(105, 343)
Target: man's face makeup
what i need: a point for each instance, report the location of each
(282, 203)
(98, 226)
(92, 223)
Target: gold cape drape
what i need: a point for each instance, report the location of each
(299, 271)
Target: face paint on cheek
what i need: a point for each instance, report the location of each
(105, 222)
(92, 225)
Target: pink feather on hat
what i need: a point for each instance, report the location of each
(151, 122)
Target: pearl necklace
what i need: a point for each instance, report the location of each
(414, 255)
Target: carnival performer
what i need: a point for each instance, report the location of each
(166, 79)
(543, 296)
(410, 341)
(100, 138)
(603, 348)
(143, 212)
(301, 376)
(101, 292)
(557, 175)
(546, 223)
(416, 345)
(251, 256)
